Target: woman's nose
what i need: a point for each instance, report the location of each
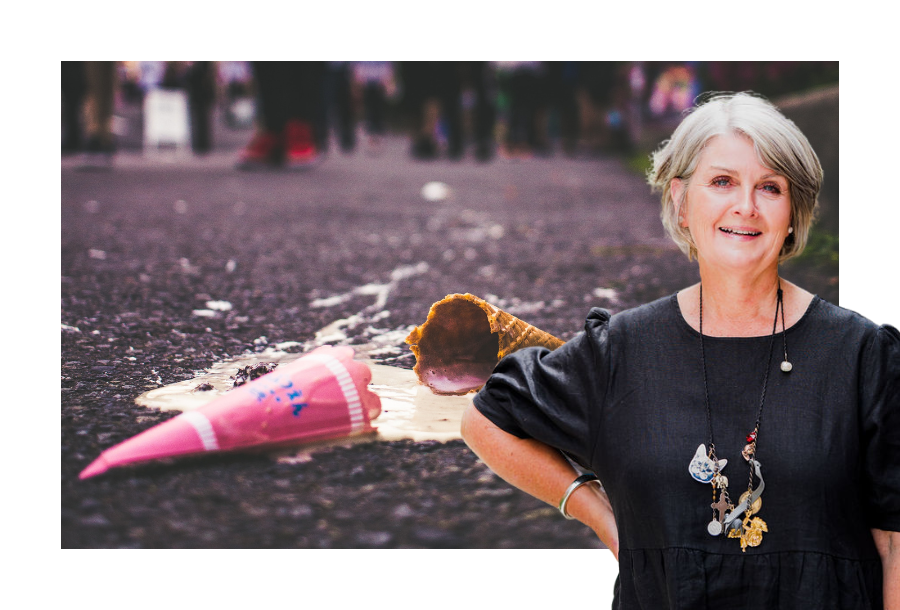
(746, 202)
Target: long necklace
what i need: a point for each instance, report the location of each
(706, 467)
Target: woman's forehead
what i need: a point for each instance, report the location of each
(734, 152)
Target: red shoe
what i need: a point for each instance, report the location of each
(264, 149)
(299, 147)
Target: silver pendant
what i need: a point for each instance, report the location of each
(702, 467)
(786, 366)
(714, 528)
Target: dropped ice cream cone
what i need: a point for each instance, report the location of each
(323, 395)
(462, 340)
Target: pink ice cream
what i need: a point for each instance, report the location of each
(322, 395)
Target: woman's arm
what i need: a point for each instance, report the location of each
(888, 544)
(541, 471)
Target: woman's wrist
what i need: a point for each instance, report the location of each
(583, 479)
(590, 505)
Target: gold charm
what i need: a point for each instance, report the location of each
(751, 532)
(753, 508)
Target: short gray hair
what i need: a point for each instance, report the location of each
(779, 144)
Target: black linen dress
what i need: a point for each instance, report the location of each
(625, 398)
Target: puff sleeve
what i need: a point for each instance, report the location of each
(880, 411)
(553, 397)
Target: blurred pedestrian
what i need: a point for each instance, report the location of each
(100, 78)
(432, 93)
(74, 87)
(201, 90)
(637, 83)
(340, 105)
(619, 114)
(129, 83)
(563, 80)
(236, 80)
(526, 90)
(197, 81)
(599, 78)
(290, 105)
(377, 83)
(479, 77)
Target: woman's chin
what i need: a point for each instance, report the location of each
(739, 260)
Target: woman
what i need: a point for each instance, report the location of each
(747, 433)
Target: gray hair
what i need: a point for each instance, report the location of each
(779, 145)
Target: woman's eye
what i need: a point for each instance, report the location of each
(772, 188)
(721, 181)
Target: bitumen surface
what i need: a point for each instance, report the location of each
(152, 240)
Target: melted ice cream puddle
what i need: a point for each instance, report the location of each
(408, 410)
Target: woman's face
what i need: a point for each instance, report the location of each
(737, 210)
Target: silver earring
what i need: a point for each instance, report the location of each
(790, 229)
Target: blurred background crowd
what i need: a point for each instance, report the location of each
(293, 114)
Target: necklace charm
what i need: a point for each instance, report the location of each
(750, 448)
(753, 508)
(722, 507)
(749, 451)
(786, 366)
(703, 468)
(750, 532)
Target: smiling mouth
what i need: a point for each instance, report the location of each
(740, 232)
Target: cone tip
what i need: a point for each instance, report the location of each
(98, 466)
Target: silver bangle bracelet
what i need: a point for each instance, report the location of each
(585, 478)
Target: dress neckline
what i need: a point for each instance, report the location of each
(814, 302)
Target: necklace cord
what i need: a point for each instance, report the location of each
(783, 327)
(712, 447)
(762, 400)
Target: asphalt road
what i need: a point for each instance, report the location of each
(146, 244)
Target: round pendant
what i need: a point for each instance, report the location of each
(786, 366)
(714, 528)
(753, 508)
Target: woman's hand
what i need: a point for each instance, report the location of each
(888, 544)
(541, 471)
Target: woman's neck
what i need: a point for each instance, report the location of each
(739, 298)
(734, 305)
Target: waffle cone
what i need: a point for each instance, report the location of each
(462, 340)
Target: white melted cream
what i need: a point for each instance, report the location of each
(409, 410)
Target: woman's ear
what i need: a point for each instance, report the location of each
(676, 187)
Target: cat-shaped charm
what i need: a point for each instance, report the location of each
(702, 468)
